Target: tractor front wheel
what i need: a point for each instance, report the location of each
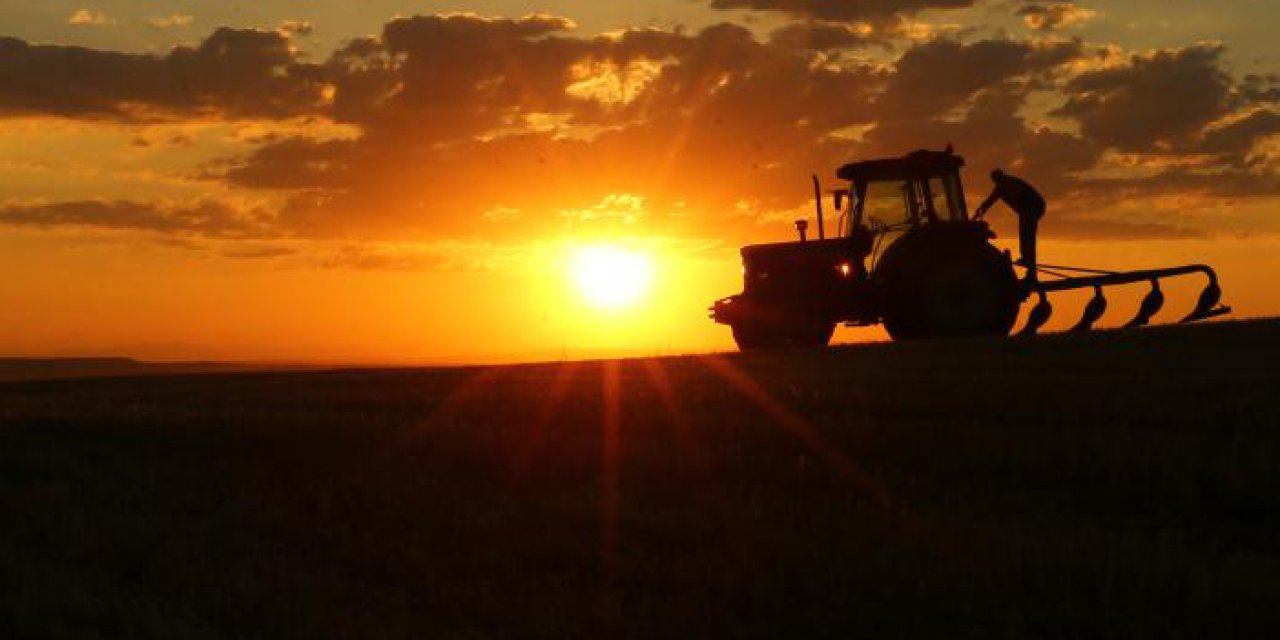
(755, 335)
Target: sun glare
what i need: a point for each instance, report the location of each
(609, 277)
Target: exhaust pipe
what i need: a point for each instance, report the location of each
(802, 226)
(817, 201)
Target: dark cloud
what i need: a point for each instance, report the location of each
(455, 257)
(1103, 229)
(719, 117)
(841, 9)
(935, 76)
(233, 73)
(724, 119)
(459, 116)
(369, 258)
(1261, 88)
(206, 218)
(1195, 183)
(1158, 100)
(1238, 137)
(258, 252)
(824, 36)
(448, 77)
(295, 163)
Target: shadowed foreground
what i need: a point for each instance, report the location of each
(1114, 485)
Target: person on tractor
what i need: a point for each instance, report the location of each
(1028, 204)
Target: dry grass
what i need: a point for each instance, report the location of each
(1115, 485)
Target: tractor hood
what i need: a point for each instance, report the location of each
(783, 268)
(783, 251)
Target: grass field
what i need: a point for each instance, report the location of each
(1113, 485)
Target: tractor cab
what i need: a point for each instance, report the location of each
(922, 186)
(895, 195)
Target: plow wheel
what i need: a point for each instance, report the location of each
(945, 284)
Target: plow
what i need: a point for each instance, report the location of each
(1064, 278)
(906, 254)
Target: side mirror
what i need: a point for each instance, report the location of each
(802, 226)
(840, 199)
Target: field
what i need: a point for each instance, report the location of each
(1110, 485)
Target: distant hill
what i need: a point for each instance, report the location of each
(14, 369)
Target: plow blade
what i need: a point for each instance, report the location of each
(1092, 311)
(1038, 317)
(1207, 306)
(1150, 306)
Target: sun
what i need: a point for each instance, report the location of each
(611, 277)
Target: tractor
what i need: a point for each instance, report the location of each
(906, 254)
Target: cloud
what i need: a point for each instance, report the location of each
(1103, 229)
(935, 76)
(172, 21)
(1055, 15)
(297, 27)
(455, 75)
(90, 18)
(647, 131)
(724, 119)
(1222, 184)
(232, 73)
(258, 252)
(1259, 88)
(435, 256)
(205, 218)
(450, 100)
(1241, 135)
(825, 36)
(841, 10)
(1157, 100)
(294, 163)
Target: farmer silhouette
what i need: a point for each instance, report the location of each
(1027, 203)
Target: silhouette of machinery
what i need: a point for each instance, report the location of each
(906, 254)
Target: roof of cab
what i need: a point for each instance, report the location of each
(917, 164)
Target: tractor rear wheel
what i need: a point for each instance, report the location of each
(947, 283)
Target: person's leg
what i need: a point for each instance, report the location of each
(1027, 227)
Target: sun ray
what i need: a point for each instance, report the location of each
(535, 438)
(610, 493)
(457, 398)
(754, 393)
(678, 419)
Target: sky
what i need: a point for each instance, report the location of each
(416, 182)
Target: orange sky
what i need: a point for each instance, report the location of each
(277, 192)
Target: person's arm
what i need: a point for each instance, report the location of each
(986, 204)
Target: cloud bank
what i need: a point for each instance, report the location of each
(459, 116)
